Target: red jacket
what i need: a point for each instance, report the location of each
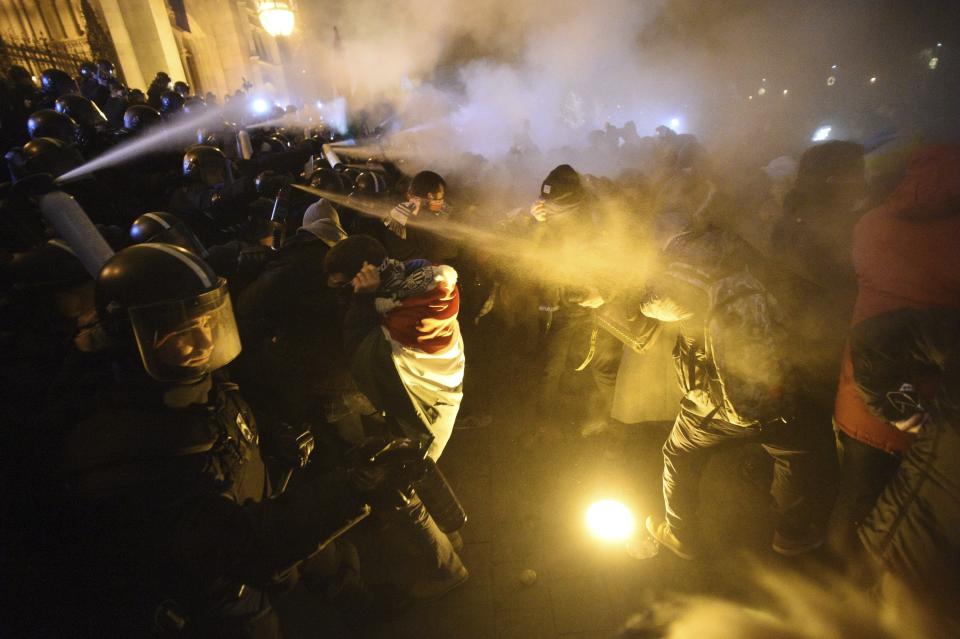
(907, 255)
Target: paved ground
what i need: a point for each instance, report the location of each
(526, 511)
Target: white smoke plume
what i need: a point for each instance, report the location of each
(485, 76)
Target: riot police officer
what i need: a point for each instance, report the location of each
(179, 529)
(211, 202)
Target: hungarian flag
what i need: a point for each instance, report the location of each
(427, 350)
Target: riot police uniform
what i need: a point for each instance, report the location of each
(180, 532)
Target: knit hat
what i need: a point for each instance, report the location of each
(562, 185)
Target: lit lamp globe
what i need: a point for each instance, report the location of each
(276, 17)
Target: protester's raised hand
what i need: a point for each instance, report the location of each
(367, 280)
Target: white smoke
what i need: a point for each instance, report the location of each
(481, 74)
(485, 76)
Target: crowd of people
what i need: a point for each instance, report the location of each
(222, 353)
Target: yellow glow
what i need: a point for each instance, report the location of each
(610, 520)
(276, 17)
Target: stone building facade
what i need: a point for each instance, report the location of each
(214, 45)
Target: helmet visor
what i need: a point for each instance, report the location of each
(185, 339)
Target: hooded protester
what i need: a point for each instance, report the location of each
(403, 338)
(905, 255)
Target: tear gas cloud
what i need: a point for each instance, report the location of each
(483, 76)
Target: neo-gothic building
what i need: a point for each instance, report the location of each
(214, 45)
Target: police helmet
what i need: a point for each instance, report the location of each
(55, 82)
(171, 103)
(205, 163)
(83, 111)
(48, 155)
(105, 71)
(194, 105)
(174, 307)
(327, 180)
(369, 183)
(47, 123)
(162, 79)
(159, 226)
(182, 88)
(268, 183)
(139, 117)
(87, 70)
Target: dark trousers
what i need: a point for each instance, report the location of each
(864, 472)
(802, 476)
(567, 346)
(412, 521)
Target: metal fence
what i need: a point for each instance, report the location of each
(37, 55)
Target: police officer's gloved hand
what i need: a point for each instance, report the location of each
(291, 446)
(383, 465)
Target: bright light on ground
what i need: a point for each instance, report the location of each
(610, 520)
(821, 134)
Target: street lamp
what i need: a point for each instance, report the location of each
(276, 16)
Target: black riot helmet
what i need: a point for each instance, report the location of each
(167, 228)
(327, 180)
(206, 164)
(172, 306)
(105, 71)
(268, 183)
(47, 123)
(48, 155)
(136, 96)
(83, 111)
(369, 183)
(160, 81)
(87, 70)
(55, 83)
(171, 103)
(139, 117)
(194, 105)
(182, 88)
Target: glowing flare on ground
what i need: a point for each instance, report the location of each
(610, 520)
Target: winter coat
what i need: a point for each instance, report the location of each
(293, 354)
(907, 255)
(914, 528)
(742, 348)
